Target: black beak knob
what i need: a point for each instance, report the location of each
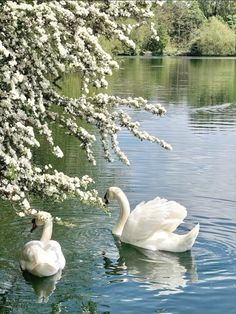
(105, 199)
(34, 226)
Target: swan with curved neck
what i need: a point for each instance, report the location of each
(151, 225)
(44, 257)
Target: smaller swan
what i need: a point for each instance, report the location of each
(42, 258)
(151, 225)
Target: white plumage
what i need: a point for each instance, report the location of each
(44, 257)
(151, 225)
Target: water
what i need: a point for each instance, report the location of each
(104, 276)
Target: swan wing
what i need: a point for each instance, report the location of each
(32, 254)
(42, 261)
(149, 217)
(53, 249)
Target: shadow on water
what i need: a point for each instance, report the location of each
(166, 272)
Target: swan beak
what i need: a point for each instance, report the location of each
(34, 226)
(105, 199)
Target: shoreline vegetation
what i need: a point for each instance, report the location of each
(185, 28)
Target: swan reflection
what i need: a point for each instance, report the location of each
(43, 286)
(165, 272)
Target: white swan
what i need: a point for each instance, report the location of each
(44, 257)
(151, 225)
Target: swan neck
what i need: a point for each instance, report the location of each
(124, 213)
(47, 232)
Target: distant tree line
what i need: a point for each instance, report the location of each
(186, 27)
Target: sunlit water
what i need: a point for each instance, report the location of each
(104, 276)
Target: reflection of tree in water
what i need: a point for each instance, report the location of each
(212, 81)
(199, 82)
(163, 271)
(194, 82)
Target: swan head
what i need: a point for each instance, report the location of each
(40, 218)
(111, 194)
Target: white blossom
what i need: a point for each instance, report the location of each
(58, 152)
(54, 38)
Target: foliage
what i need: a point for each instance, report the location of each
(177, 24)
(215, 38)
(138, 35)
(39, 41)
(221, 8)
(186, 18)
(157, 45)
(231, 21)
(181, 19)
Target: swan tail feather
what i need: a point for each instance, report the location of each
(191, 236)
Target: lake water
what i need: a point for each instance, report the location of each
(105, 276)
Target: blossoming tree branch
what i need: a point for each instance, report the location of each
(39, 42)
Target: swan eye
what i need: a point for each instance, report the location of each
(106, 199)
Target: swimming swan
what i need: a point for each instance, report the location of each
(151, 225)
(44, 257)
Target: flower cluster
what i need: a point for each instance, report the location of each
(39, 42)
